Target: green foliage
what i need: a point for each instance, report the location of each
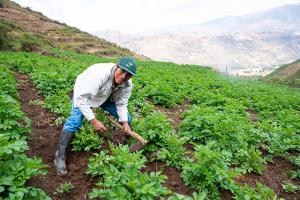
(201, 195)
(278, 139)
(201, 123)
(250, 160)
(59, 103)
(13, 120)
(218, 120)
(10, 147)
(36, 194)
(245, 192)
(290, 187)
(207, 172)
(173, 151)
(20, 168)
(86, 139)
(295, 160)
(15, 167)
(29, 43)
(2, 4)
(8, 83)
(65, 187)
(5, 38)
(121, 177)
(155, 128)
(294, 174)
(13, 123)
(230, 132)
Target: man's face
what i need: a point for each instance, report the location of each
(121, 76)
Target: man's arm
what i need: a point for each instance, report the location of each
(122, 110)
(122, 102)
(86, 87)
(86, 110)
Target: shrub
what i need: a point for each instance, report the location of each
(5, 38)
(2, 4)
(29, 43)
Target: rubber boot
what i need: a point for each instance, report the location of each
(60, 154)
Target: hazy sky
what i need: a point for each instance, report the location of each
(134, 16)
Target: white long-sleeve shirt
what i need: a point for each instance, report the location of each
(95, 85)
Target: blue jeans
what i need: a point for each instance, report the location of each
(74, 122)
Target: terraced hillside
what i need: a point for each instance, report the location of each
(27, 30)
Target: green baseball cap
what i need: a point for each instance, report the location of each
(128, 64)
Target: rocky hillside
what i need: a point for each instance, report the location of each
(24, 29)
(287, 74)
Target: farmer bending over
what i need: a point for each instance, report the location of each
(105, 85)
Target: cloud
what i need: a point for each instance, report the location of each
(133, 16)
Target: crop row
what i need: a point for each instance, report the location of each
(15, 167)
(217, 124)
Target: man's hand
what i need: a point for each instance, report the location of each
(98, 125)
(126, 127)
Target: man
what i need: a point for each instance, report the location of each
(107, 85)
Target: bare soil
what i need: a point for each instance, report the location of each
(287, 72)
(252, 115)
(27, 20)
(174, 181)
(273, 177)
(174, 113)
(43, 141)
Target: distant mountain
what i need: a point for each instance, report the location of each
(28, 30)
(283, 19)
(262, 39)
(113, 35)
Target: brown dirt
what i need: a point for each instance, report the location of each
(273, 176)
(44, 137)
(174, 113)
(252, 115)
(27, 20)
(56, 33)
(287, 72)
(174, 181)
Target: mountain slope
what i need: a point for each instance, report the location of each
(287, 74)
(284, 18)
(259, 41)
(32, 31)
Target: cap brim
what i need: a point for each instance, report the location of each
(130, 72)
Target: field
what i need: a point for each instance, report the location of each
(211, 136)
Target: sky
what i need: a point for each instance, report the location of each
(138, 16)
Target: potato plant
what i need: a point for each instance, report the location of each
(15, 167)
(120, 176)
